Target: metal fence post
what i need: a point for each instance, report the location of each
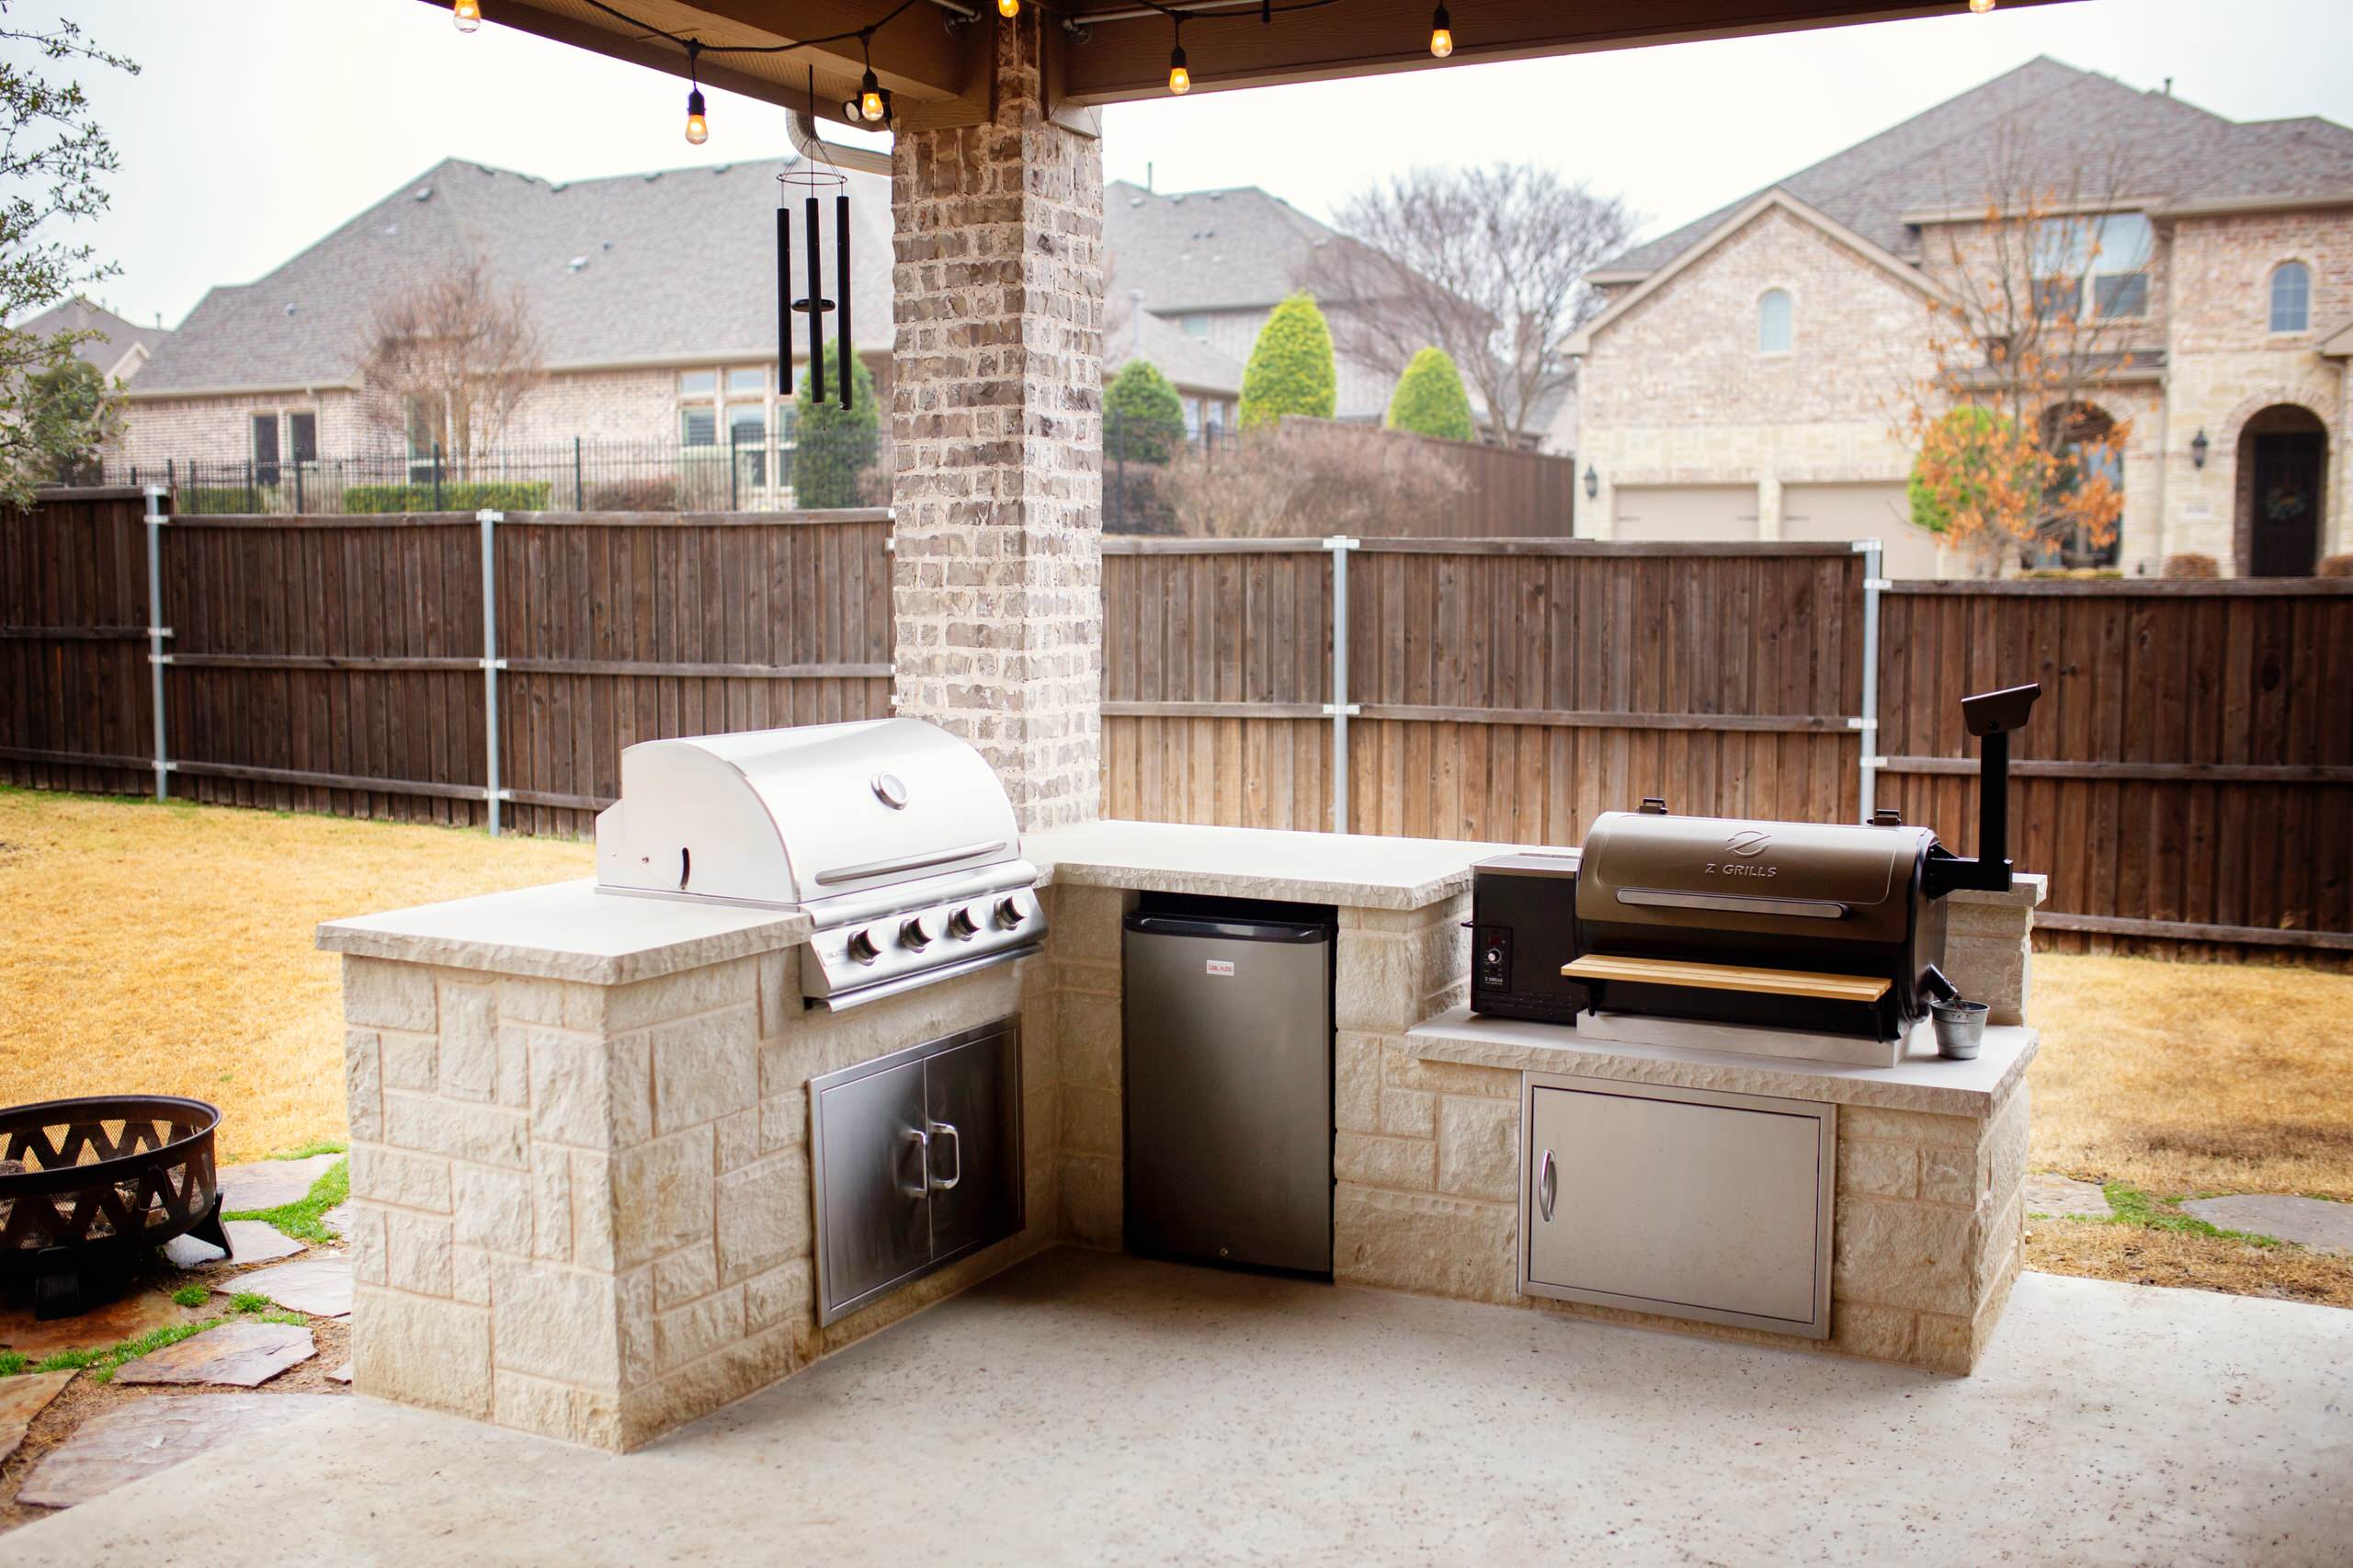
(156, 633)
(1867, 786)
(1340, 708)
(579, 492)
(490, 662)
(436, 476)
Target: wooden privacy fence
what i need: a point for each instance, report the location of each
(364, 666)
(2186, 782)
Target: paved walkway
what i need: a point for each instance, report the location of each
(1089, 1409)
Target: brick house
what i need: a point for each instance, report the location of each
(641, 347)
(1739, 383)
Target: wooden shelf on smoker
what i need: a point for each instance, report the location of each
(1861, 988)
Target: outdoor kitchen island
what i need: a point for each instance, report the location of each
(581, 1164)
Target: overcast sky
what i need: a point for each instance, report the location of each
(258, 125)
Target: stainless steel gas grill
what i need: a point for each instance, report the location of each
(892, 834)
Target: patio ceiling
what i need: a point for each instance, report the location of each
(935, 56)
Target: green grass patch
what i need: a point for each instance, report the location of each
(303, 1217)
(103, 1361)
(249, 1301)
(190, 1296)
(324, 1146)
(2148, 1213)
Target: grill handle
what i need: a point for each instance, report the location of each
(922, 1140)
(907, 863)
(1548, 1185)
(1734, 903)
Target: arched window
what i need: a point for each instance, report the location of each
(1773, 322)
(2291, 297)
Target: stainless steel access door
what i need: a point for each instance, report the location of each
(1678, 1201)
(1229, 1091)
(917, 1158)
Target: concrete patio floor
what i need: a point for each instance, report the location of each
(1094, 1409)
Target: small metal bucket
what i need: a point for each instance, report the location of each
(1960, 1028)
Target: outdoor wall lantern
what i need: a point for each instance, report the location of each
(2198, 446)
(1592, 483)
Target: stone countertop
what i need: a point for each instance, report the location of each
(1350, 871)
(567, 931)
(1923, 1081)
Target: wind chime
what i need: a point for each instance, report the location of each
(814, 305)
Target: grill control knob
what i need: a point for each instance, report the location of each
(918, 931)
(964, 924)
(1008, 913)
(862, 946)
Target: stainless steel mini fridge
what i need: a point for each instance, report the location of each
(1229, 1085)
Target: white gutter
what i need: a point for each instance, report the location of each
(802, 127)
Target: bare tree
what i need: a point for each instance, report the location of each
(1487, 263)
(453, 356)
(2045, 264)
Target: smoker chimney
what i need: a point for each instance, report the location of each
(1990, 716)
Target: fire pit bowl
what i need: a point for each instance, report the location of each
(89, 1186)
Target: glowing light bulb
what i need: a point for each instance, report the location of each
(467, 14)
(1981, 6)
(1441, 34)
(869, 99)
(697, 127)
(1008, 7)
(1179, 79)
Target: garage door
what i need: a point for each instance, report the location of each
(1861, 511)
(1685, 511)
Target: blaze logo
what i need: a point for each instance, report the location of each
(1748, 843)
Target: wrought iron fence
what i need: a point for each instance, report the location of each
(750, 472)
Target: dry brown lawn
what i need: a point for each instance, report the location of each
(2188, 1079)
(2194, 1078)
(168, 949)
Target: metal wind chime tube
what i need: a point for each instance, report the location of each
(783, 297)
(816, 307)
(841, 291)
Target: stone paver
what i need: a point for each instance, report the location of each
(187, 1252)
(134, 1315)
(337, 1218)
(242, 1355)
(258, 1241)
(320, 1286)
(268, 1183)
(342, 1374)
(2314, 1222)
(22, 1399)
(2065, 1196)
(123, 1445)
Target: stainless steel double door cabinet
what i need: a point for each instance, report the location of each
(1229, 1089)
(917, 1161)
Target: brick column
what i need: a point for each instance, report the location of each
(996, 426)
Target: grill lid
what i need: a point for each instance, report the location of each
(1792, 879)
(788, 817)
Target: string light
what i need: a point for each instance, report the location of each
(467, 14)
(869, 91)
(1180, 80)
(697, 127)
(1008, 8)
(1441, 34)
(1981, 6)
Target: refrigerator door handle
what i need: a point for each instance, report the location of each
(1548, 1185)
(956, 1145)
(922, 1140)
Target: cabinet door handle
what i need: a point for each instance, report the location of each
(922, 1140)
(1548, 1185)
(956, 1145)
